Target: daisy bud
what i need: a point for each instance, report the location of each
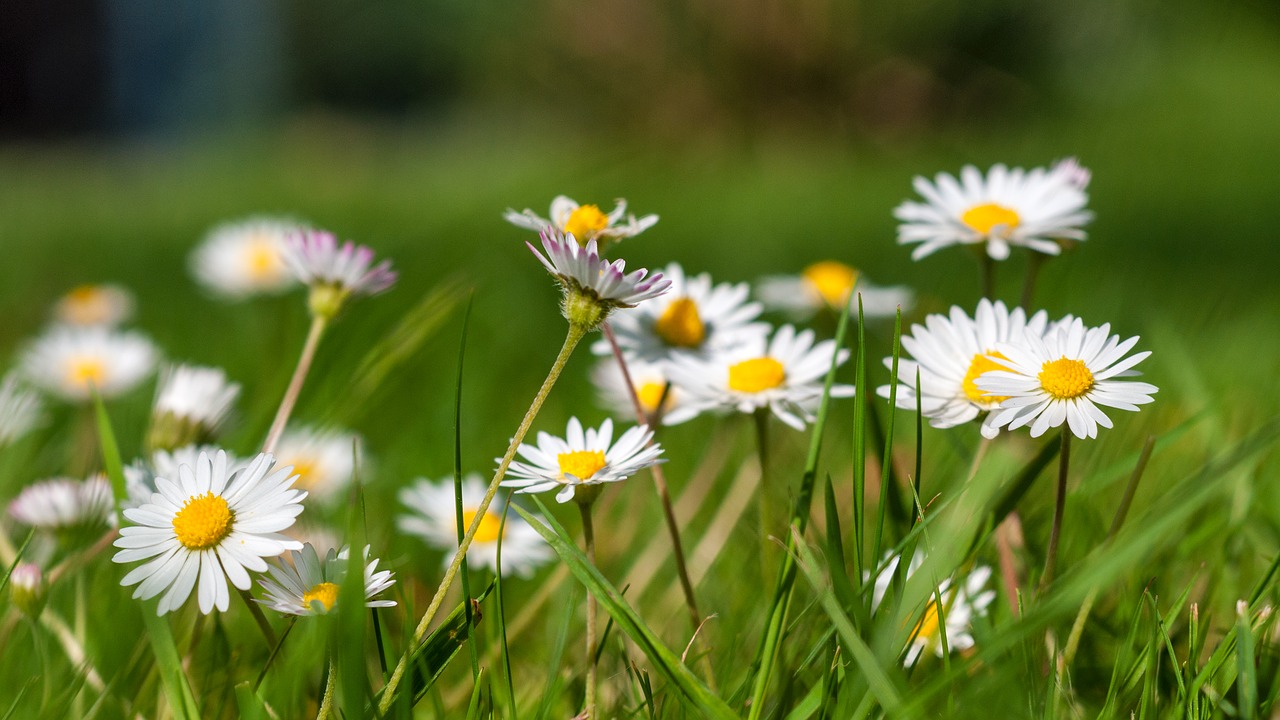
(27, 589)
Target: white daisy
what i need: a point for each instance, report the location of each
(580, 269)
(651, 387)
(209, 525)
(315, 258)
(140, 475)
(322, 459)
(950, 354)
(303, 585)
(584, 222)
(107, 305)
(1008, 207)
(432, 517)
(959, 606)
(581, 459)
(827, 285)
(191, 403)
(693, 317)
(786, 376)
(63, 504)
(1063, 377)
(68, 361)
(20, 409)
(245, 258)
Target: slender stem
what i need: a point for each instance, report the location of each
(1034, 263)
(768, 514)
(988, 275)
(589, 540)
(1051, 556)
(262, 674)
(258, 617)
(326, 704)
(318, 324)
(575, 334)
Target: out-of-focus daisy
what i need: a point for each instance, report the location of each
(322, 459)
(1006, 208)
(107, 305)
(651, 388)
(210, 525)
(693, 317)
(785, 375)
(950, 354)
(581, 461)
(960, 604)
(828, 285)
(245, 258)
(1063, 377)
(304, 585)
(335, 272)
(191, 403)
(27, 588)
(68, 361)
(432, 517)
(61, 504)
(594, 287)
(20, 409)
(584, 222)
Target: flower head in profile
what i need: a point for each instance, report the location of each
(240, 259)
(107, 305)
(784, 375)
(581, 461)
(207, 526)
(63, 504)
(306, 585)
(650, 386)
(951, 353)
(323, 459)
(20, 409)
(191, 403)
(335, 272)
(961, 602)
(1065, 376)
(1008, 207)
(826, 286)
(431, 516)
(584, 222)
(70, 361)
(594, 287)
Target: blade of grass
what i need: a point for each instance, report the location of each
(457, 486)
(347, 649)
(886, 464)
(1246, 668)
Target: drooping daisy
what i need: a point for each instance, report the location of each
(322, 459)
(335, 272)
(1063, 377)
(651, 388)
(828, 285)
(950, 354)
(786, 376)
(960, 604)
(61, 504)
(304, 585)
(594, 287)
(581, 459)
(107, 305)
(20, 409)
(693, 317)
(208, 525)
(431, 516)
(68, 361)
(191, 403)
(245, 258)
(1009, 207)
(584, 222)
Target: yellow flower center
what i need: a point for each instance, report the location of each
(581, 464)
(306, 472)
(262, 259)
(203, 521)
(490, 526)
(982, 218)
(927, 628)
(756, 375)
(833, 281)
(680, 325)
(1065, 378)
(83, 371)
(981, 364)
(650, 395)
(585, 222)
(325, 592)
(86, 305)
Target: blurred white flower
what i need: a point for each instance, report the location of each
(584, 222)
(105, 304)
(245, 258)
(651, 388)
(20, 409)
(305, 585)
(960, 604)
(63, 504)
(191, 403)
(580, 459)
(827, 285)
(68, 361)
(321, 458)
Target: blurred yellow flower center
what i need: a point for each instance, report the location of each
(325, 592)
(927, 628)
(262, 260)
(83, 371)
(650, 395)
(1065, 378)
(756, 375)
(306, 472)
(86, 305)
(585, 222)
(981, 364)
(982, 218)
(680, 325)
(203, 521)
(581, 464)
(490, 526)
(833, 281)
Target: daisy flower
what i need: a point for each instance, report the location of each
(304, 585)
(960, 604)
(693, 317)
(951, 353)
(107, 305)
(190, 405)
(1064, 377)
(785, 376)
(594, 287)
(584, 222)
(208, 525)
(245, 258)
(828, 285)
(581, 459)
(140, 475)
(27, 588)
(335, 272)
(64, 504)
(68, 361)
(431, 516)
(321, 459)
(1008, 207)
(20, 409)
(650, 380)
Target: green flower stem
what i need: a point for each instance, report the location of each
(255, 610)
(326, 703)
(575, 334)
(318, 325)
(589, 541)
(1051, 555)
(768, 513)
(1034, 263)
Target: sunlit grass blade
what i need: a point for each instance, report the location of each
(459, 514)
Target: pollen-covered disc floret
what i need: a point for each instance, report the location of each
(828, 285)
(951, 352)
(431, 515)
(1065, 376)
(784, 374)
(1009, 207)
(106, 305)
(581, 458)
(206, 526)
(323, 459)
(303, 584)
(584, 222)
(69, 361)
(20, 409)
(63, 504)
(961, 602)
(588, 279)
(651, 388)
(244, 258)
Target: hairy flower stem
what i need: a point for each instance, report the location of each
(576, 332)
(326, 704)
(318, 325)
(1051, 555)
(589, 541)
